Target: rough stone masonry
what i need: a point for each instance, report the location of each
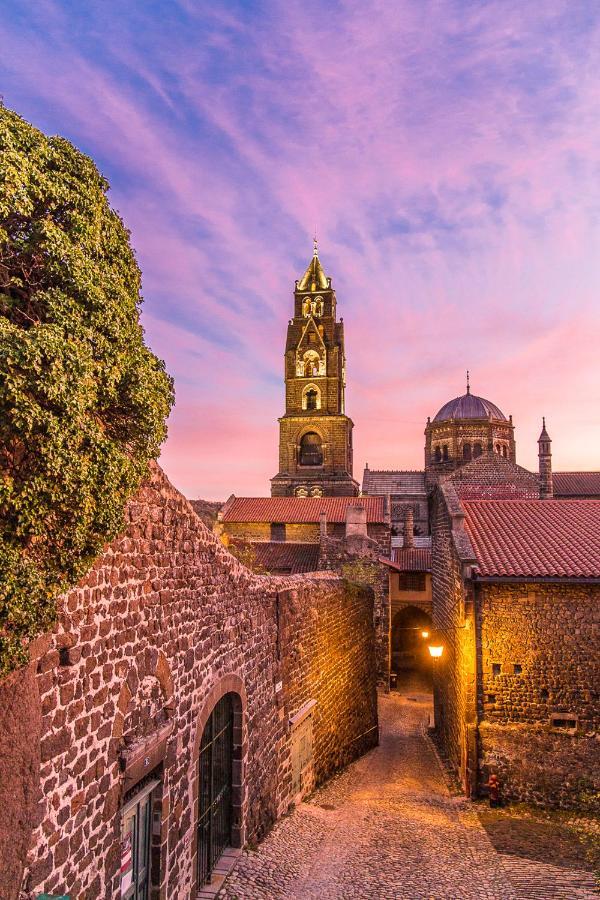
(165, 624)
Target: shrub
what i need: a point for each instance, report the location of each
(83, 401)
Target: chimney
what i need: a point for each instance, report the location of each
(545, 464)
(322, 525)
(409, 529)
(356, 519)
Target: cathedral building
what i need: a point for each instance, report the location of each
(315, 434)
(462, 430)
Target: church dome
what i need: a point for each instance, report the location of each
(469, 407)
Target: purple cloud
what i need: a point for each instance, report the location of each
(446, 150)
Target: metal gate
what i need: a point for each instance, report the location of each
(216, 772)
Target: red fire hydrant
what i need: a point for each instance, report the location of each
(493, 787)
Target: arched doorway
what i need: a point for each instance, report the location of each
(410, 654)
(215, 787)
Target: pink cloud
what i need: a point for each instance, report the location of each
(446, 151)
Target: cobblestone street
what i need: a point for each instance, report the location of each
(388, 827)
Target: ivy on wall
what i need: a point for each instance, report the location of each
(83, 401)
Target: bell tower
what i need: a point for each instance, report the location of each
(315, 434)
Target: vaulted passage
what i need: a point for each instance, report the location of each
(409, 643)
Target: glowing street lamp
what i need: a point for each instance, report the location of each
(436, 650)
(425, 634)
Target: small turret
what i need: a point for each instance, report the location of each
(545, 464)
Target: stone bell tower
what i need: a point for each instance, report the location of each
(315, 434)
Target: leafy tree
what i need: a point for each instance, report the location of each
(83, 401)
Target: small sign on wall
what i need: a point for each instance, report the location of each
(126, 864)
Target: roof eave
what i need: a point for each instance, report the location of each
(535, 579)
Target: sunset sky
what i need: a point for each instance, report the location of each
(448, 153)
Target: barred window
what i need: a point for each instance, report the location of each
(412, 581)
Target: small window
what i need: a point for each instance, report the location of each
(517, 668)
(477, 450)
(496, 669)
(491, 698)
(438, 454)
(411, 581)
(504, 452)
(564, 722)
(277, 531)
(467, 453)
(311, 399)
(445, 452)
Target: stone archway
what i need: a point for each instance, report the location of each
(410, 656)
(228, 691)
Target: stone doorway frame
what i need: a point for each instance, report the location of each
(228, 684)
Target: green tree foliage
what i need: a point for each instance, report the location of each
(83, 401)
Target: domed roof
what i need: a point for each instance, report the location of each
(469, 407)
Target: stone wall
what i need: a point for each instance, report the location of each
(539, 661)
(357, 558)
(536, 765)
(164, 625)
(517, 658)
(454, 675)
(307, 533)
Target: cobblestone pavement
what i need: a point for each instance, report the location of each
(385, 828)
(388, 828)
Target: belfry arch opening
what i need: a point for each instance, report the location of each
(311, 450)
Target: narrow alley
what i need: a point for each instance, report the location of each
(388, 827)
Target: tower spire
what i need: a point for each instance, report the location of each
(468, 385)
(545, 463)
(315, 247)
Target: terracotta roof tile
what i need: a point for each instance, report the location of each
(299, 510)
(277, 556)
(412, 559)
(576, 484)
(393, 482)
(535, 538)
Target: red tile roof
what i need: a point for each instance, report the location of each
(535, 538)
(413, 559)
(299, 510)
(576, 484)
(381, 481)
(286, 556)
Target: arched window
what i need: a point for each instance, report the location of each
(311, 397)
(306, 306)
(438, 454)
(498, 449)
(477, 450)
(445, 452)
(504, 453)
(467, 453)
(311, 451)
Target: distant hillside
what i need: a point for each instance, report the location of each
(207, 510)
